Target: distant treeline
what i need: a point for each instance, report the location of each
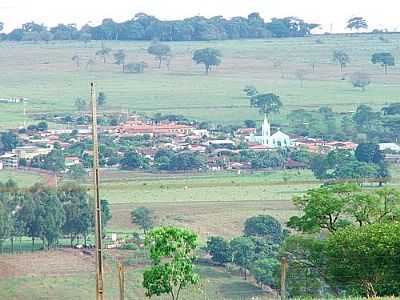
(146, 27)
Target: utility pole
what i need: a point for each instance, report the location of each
(98, 233)
(121, 280)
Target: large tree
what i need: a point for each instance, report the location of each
(266, 103)
(208, 56)
(385, 59)
(172, 254)
(160, 51)
(219, 250)
(243, 253)
(357, 23)
(143, 217)
(264, 226)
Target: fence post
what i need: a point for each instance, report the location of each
(284, 268)
(121, 278)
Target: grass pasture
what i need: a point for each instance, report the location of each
(45, 73)
(23, 178)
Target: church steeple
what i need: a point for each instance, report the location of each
(266, 130)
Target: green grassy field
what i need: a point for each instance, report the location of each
(23, 179)
(46, 75)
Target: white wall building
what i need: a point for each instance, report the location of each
(276, 140)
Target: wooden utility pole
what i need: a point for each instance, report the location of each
(284, 268)
(121, 278)
(98, 233)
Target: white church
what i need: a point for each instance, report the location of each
(276, 140)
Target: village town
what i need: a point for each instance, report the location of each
(218, 149)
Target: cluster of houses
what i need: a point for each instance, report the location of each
(177, 137)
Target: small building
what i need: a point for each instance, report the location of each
(9, 161)
(72, 161)
(30, 152)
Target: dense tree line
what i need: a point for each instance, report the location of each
(47, 214)
(146, 27)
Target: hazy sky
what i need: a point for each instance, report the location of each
(380, 14)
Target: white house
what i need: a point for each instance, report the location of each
(276, 140)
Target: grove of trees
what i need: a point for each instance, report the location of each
(47, 214)
(147, 27)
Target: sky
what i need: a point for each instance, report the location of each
(332, 14)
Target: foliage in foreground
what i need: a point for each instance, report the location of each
(171, 253)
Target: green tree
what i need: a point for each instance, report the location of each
(120, 57)
(76, 59)
(250, 123)
(323, 208)
(103, 53)
(75, 202)
(9, 140)
(266, 103)
(219, 250)
(54, 161)
(4, 225)
(160, 51)
(341, 58)
(171, 253)
(42, 126)
(385, 59)
(80, 104)
(208, 56)
(369, 153)
(266, 271)
(360, 80)
(78, 173)
(264, 226)
(101, 99)
(357, 23)
(243, 253)
(133, 160)
(143, 217)
(187, 161)
(363, 260)
(250, 91)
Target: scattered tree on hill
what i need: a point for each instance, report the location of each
(42, 126)
(385, 59)
(143, 217)
(357, 23)
(160, 51)
(90, 63)
(208, 56)
(101, 99)
(172, 254)
(301, 76)
(266, 103)
(341, 58)
(76, 60)
(360, 80)
(250, 91)
(120, 57)
(104, 52)
(80, 104)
